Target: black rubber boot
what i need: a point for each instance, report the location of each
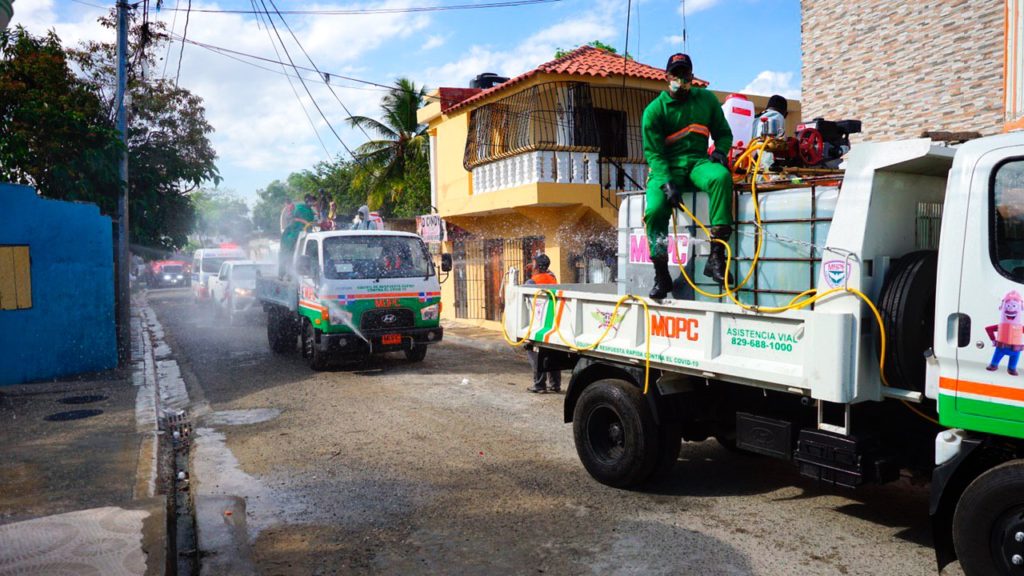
(715, 266)
(662, 278)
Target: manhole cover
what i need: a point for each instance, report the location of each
(72, 415)
(88, 399)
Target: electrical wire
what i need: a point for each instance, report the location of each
(296, 92)
(184, 37)
(370, 11)
(174, 22)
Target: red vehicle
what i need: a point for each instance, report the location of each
(167, 273)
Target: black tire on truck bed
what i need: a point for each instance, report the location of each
(907, 305)
(280, 334)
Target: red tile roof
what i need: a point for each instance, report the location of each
(583, 61)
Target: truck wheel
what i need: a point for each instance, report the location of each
(987, 521)
(310, 351)
(907, 305)
(670, 440)
(416, 353)
(280, 337)
(615, 434)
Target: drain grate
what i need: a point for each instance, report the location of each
(87, 399)
(72, 415)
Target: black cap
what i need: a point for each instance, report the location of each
(542, 261)
(779, 104)
(677, 62)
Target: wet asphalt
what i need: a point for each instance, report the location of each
(450, 467)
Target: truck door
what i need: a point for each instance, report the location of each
(989, 387)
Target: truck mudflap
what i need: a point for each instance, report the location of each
(802, 352)
(377, 341)
(949, 480)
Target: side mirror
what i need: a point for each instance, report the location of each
(446, 262)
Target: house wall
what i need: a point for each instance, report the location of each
(904, 67)
(69, 328)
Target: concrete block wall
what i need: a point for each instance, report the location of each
(904, 67)
(69, 329)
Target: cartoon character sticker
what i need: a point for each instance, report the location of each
(1008, 335)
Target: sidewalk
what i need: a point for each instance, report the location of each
(78, 490)
(471, 336)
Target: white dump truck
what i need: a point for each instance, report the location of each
(879, 333)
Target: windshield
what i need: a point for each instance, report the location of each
(360, 257)
(172, 269)
(247, 273)
(212, 265)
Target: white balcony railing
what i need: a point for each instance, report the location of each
(558, 168)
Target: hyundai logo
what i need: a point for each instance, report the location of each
(389, 318)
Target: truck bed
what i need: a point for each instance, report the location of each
(799, 351)
(272, 290)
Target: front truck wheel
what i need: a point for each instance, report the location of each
(988, 524)
(310, 350)
(279, 334)
(616, 437)
(416, 352)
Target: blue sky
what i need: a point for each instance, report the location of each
(262, 133)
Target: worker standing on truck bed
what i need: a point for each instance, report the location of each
(676, 128)
(302, 219)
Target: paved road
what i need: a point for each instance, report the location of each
(450, 466)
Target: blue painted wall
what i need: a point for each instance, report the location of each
(70, 327)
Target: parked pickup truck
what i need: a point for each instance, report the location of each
(804, 383)
(353, 293)
(232, 290)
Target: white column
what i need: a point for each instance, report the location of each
(564, 167)
(576, 159)
(544, 163)
(591, 166)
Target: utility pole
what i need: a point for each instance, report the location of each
(121, 259)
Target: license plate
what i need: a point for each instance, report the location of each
(389, 339)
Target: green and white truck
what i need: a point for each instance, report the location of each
(931, 236)
(349, 294)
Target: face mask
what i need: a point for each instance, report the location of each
(678, 88)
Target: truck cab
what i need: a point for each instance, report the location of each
(356, 293)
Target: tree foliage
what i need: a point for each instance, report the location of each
(221, 213)
(391, 168)
(54, 130)
(57, 130)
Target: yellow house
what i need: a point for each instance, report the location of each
(535, 164)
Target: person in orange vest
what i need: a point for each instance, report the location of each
(541, 275)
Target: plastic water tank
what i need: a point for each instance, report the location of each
(487, 80)
(739, 113)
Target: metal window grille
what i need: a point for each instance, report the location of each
(560, 116)
(479, 267)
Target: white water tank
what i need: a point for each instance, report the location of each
(739, 113)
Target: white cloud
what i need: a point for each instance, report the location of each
(434, 41)
(597, 24)
(769, 82)
(694, 6)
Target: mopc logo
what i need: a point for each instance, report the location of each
(675, 327)
(640, 253)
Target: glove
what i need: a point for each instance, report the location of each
(672, 193)
(719, 157)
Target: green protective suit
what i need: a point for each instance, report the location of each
(676, 136)
(302, 218)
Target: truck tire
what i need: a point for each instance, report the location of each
(310, 351)
(987, 519)
(416, 353)
(616, 437)
(670, 440)
(907, 305)
(279, 336)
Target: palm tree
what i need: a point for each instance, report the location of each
(385, 164)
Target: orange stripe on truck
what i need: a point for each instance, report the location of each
(980, 389)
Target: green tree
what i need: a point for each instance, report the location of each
(169, 151)
(54, 130)
(221, 213)
(596, 44)
(390, 168)
(266, 213)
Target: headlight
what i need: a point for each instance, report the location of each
(243, 292)
(179, 277)
(167, 276)
(430, 312)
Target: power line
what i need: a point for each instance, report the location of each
(295, 92)
(362, 11)
(174, 22)
(311, 63)
(184, 36)
(303, 82)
